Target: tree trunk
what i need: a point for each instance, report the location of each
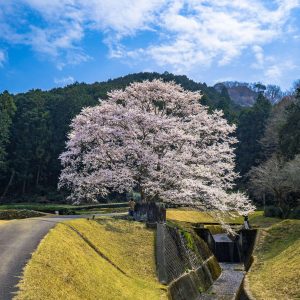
(284, 208)
(24, 186)
(281, 204)
(12, 175)
(142, 194)
(38, 176)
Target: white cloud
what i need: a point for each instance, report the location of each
(64, 80)
(201, 32)
(197, 33)
(189, 32)
(65, 23)
(259, 56)
(275, 72)
(122, 16)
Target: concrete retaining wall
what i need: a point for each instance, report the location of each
(187, 266)
(246, 243)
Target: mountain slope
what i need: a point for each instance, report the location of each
(240, 94)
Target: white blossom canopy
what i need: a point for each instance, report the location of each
(156, 138)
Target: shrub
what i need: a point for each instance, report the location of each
(273, 212)
(295, 213)
(19, 214)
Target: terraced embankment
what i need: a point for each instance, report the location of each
(275, 272)
(103, 259)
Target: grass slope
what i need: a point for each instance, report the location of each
(63, 207)
(188, 215)
(11, 214)
(276, 270)
(65, 266)
(195, 216)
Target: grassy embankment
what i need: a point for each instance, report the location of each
(52, 207)
(35, 206)
(114, 260)
(276, 270)
(11, 214)
(256, 218)
(23, 210)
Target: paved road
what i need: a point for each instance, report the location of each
(18, 240)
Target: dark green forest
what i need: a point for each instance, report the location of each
(34, 127)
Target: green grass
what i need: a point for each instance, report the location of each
(215, 229)
(36, 206)
(257, 219)
(65, 266)
(11, 214)
(62, 207)
(101, 211)
(276, 270)
(188, 215)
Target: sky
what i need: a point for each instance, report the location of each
(51, 43)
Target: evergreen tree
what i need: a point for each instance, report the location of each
(7, 110)
(251, 125)
(289, 135)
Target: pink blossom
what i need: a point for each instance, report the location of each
(156, 138)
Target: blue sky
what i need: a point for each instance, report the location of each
(51, 43)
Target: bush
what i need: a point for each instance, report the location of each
(295, 213)
(273, 212)
(19, 214)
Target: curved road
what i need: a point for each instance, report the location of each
(18, 240)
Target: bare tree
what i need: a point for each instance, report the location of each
(278, 179)
(273, 93)
(278, 116)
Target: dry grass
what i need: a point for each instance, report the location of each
(275, 273)
(188, 215)
(256, 218)
(66, 267)
(3, 222)
(215, 229)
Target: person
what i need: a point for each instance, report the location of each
(246, 222)
(131, 204)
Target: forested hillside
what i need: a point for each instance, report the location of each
(34, 128)
(274, 177)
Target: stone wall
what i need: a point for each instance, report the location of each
(184, 262)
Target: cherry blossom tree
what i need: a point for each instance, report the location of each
(155, 138)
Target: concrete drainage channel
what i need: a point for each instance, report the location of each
(206, 268)
(235, 257)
